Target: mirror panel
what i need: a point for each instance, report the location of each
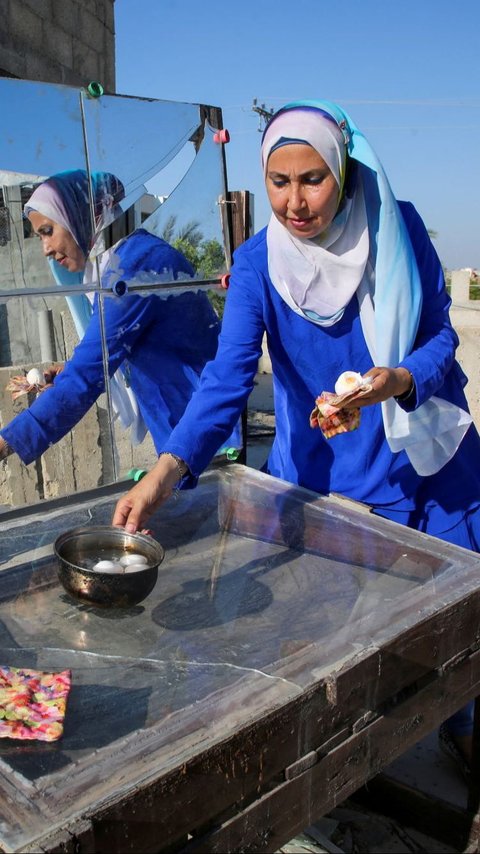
(41, 133)
(162, 330)
(192, 217)
(42, 130)
(62, 438)
(136, 138)
(163, 338)
(172, 176)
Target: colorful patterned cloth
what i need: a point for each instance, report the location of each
(33, 703)
(331, 418)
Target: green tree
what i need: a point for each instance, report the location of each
(212, 259)
(188, 249)
(207, 257)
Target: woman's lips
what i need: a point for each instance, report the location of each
(300, 223)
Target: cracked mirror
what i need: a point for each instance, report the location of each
(163, 325)
(112, 245)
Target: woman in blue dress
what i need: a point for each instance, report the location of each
(157, 347)
(344, 278)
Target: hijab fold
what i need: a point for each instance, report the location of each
(318, 277)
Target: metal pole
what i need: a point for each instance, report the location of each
(47, 349)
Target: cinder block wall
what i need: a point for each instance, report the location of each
(466, 321)
(58, 41)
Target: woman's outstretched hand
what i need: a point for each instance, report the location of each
(136, 507)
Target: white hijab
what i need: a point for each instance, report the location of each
(317, 278)
(47, 200)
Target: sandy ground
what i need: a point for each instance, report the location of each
(351, 827)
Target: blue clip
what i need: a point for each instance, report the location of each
(120, 288)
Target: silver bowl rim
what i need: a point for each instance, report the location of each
(145, 539)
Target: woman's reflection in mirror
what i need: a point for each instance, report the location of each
(157, 347)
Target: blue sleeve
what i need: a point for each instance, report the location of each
(226, 381)
(433, 355)
(56, 411)
(77, 387)
(143, 252)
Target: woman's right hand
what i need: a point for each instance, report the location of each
(136, 507)
(50, 374)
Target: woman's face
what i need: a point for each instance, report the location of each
(302, 191)
(57, 242)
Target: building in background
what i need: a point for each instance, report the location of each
(58, 41)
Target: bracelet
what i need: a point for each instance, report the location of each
(182, 467)
(406, 394)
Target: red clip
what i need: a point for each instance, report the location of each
(221, 136)
(225, 281)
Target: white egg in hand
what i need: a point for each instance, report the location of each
(348, 381)
(35, 377)
(108, 566)
(126, 560)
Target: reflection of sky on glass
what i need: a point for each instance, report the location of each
(196, 197)
(135, 138)
(165, 182)
(43, 133)
(146, 143)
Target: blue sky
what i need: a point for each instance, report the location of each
(407, 72)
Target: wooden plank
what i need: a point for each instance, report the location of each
(275, 817)
(399, 663)
(76, 837)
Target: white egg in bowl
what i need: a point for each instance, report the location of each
(90, 568)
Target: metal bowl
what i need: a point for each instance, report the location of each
(81, 546)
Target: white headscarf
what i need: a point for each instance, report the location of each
(317, 278)
(64, 199)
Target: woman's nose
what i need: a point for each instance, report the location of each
(47, 247)
(296, 200)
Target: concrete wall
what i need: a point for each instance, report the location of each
(58, 41)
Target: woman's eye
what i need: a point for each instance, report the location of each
(314, 182)
(279, 182)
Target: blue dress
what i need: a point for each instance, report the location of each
(307, 359)
(161, 344)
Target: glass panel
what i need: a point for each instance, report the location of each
(161, 339)
(136, 138)
(163, 329)
(41, 134)
(193, 217)
(154, 166)
(264, 591)
(61, 435)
